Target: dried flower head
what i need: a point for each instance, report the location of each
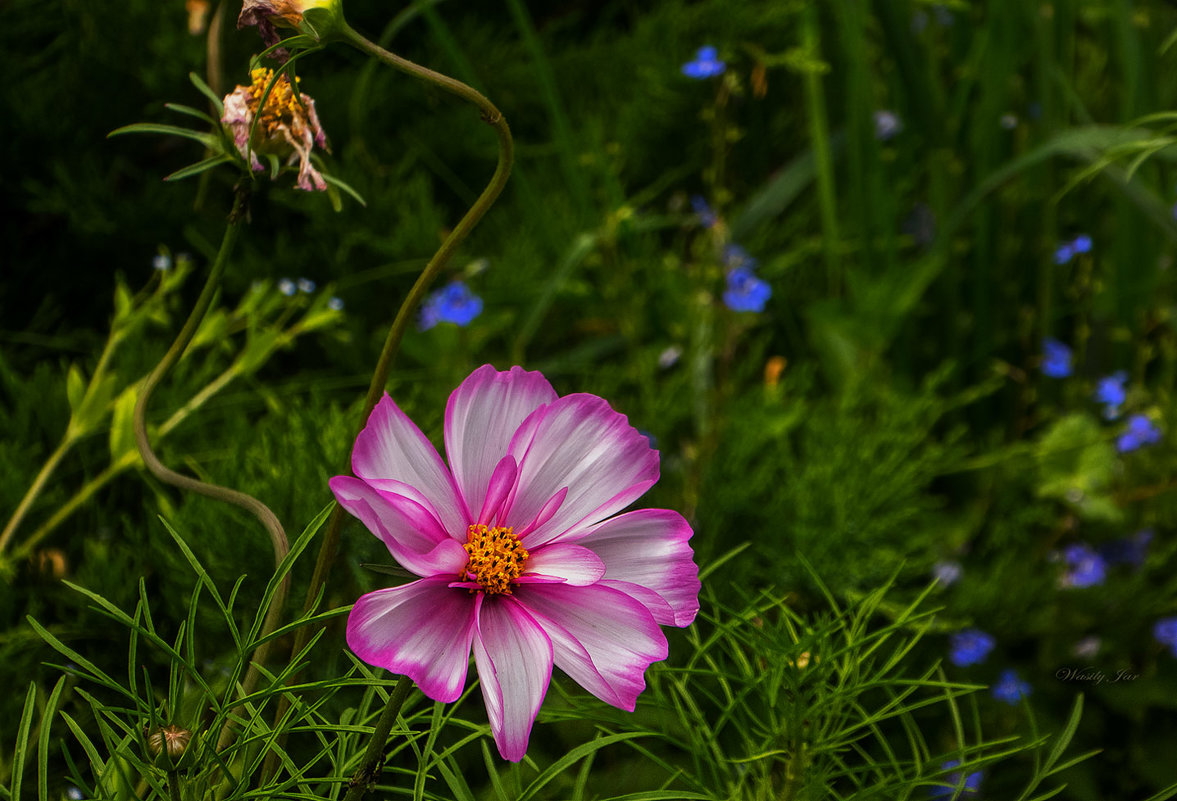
(266, 14)
(287, 124)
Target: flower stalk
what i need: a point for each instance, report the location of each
(369, 770)
(252, 505)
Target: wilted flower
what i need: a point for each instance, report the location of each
(519, 547)
(287, 125)
(970, 647)
(1165, 630)
(887, 124)
(1085, 567)
(705, 65)
(451, 304)
(1056, 359)
(1111, 392)
(265, 14)
(1140, 431)
(745, 292)
(1010, 688)
(972, 782)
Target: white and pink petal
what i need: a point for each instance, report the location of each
(392, 447)
(578, 444)
(481, 418)
(514, 660)
(564, 562)
(603, 639)
(650, 548)
(422, 630)
(411, 533)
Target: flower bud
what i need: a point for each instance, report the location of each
(167, 745)
(319, 19)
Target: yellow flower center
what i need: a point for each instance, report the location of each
(281, 105)
(496, 557)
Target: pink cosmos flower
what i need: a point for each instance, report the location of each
(520, 549)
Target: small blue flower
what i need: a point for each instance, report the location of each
(1009, 121)
(707, 217)
(972, 782)
(162, 262)
(1085, 567)
(970, 647)
(335, 304)
(451, 304)
(287, 287)
(746, 292)
(887, 125)
(306, 286)
(1010, 688)
(1129, 550)
(669, 357)
(1056, 359)
(1064, 253)
(1140, 431)
(1165, 630)
(705, 65)
(947, 573)
(1112, 392)
(1081, 244)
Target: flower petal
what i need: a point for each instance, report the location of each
(602, 638)
(409, 531)
(572, 563)
(514, 659)
(480, 419)
(580, 443)
(648, 547)
(392, 447)
(422, 630)
(498, 492)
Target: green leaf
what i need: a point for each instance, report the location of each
(207, 91)
(206, 139)
(191, 112)
(22, 739)
(122, 434)
(199, 167)
(333, 181)
(43, 740)
(75, 388)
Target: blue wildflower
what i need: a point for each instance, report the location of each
(306, 286)
(887, 125)
(735, 256)
(705, 65)
(947, 573)
(746, 292)
(1064, 253)
(1112, 392)
(970, 647)
(972, 782)
(1010, 687)
(1081, 244)
(669, 357)
(1165, 630)
(1056, 358)
(1085, 567)
(286, 287)
(162, 262)
(451, 304)
(1140, 431)
(335, 304)
(707, 217)
(1129, 550)
(1009, 121)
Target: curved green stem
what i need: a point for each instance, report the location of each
(151, 461)
(493, 117)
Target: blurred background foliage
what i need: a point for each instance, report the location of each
(887, 411)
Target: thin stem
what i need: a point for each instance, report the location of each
(492, 116)
(174, 785)
(151, 461)
(38, 484)
(369, 770)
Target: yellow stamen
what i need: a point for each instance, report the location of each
(496, 558)
(281, 105)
